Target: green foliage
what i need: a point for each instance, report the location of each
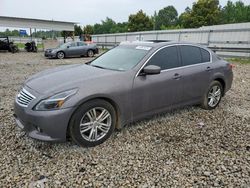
(170, 27)
(139, 22)
(22, 46)
(66, 34)
(109, 26)
(184, 18)
(38, 34)
(47, 34)
(88, 30)
(166, 17)
(78, 30)
(240, 60)
(7, 33)
(235, 12)
(203, 13)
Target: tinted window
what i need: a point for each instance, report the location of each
(190, 55)
(73, 44)
(166, 58)
(205, 55)
(80, 44)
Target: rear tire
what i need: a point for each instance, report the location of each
(92, 123)
(213, 96)
(90, 53)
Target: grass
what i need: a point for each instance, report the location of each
(22, 45)
(240, 60)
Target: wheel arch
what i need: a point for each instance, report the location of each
(62, 52)
(223, 83)
(105, 98)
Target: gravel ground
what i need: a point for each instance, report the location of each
(189, 147)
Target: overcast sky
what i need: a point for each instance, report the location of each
(88, 11)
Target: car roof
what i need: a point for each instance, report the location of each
(155, 43)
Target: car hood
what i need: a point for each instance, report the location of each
(65, 77)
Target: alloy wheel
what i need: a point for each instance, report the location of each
(214, 96)
(90, 53)
(60, 55)
(95, 124)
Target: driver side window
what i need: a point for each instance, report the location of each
(73, 44)
(166, 58)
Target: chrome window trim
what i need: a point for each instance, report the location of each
(171, 45)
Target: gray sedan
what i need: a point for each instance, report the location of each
(130, 82)
(72, 49)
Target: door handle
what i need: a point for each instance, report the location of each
(176, 76)
(208, 69)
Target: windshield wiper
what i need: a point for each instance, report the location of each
(105, 68)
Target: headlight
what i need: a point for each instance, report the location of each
(55, 102)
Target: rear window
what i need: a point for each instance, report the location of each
(205, 55)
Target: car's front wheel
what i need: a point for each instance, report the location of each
(213, 96)
(60, 55)
(92, 123)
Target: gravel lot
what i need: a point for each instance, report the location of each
(189, 147)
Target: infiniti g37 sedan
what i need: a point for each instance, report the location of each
(86, 102)
(72, 49)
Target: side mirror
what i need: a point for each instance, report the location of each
(151, 69)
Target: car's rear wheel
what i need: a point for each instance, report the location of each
(92, 123)
(213, 96)
(60, 55)
(90, 53)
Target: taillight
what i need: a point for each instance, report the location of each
(231, 66)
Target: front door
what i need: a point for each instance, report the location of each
(154, 93)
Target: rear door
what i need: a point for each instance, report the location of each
(196, 72)
(82, 48)
(153, 93)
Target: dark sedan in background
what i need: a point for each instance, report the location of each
(72, 49)
(130, 82)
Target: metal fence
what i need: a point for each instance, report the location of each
(24, 40)
(226, 40)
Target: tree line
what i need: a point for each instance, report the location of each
(202, 13)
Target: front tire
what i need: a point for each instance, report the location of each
(92, 123)
(213, 96)
(60, 55)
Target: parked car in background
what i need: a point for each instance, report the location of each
(72, 49)
(128, 83)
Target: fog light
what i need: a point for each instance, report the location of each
(39, 129)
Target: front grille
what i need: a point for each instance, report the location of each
(24, 98)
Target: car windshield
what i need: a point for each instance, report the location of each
(121, 58)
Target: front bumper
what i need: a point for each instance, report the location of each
(43, 125)
(49, 54)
